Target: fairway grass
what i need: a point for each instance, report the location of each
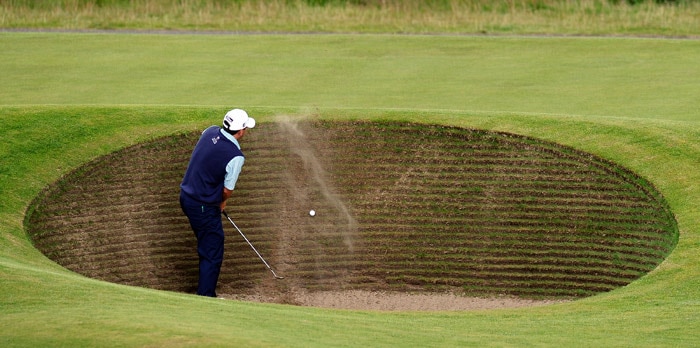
(637, 78)
(620, 108)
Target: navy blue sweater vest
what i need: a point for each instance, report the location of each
(204, 178)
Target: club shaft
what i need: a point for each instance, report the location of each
(251, 245)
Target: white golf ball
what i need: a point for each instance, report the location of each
(312, 212)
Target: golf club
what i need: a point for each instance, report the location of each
(251, 245)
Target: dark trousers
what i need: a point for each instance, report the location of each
(206, 224)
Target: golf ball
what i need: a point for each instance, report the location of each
(312, 212)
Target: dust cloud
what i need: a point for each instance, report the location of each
(311, 185)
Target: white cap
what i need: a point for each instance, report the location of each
(238, 119)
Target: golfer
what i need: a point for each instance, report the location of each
(209, 181)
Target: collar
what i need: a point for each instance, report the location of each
(230, 137)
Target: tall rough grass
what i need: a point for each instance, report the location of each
(578, 17)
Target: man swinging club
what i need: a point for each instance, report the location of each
(209, 181)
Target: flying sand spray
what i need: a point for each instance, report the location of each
(299, 145)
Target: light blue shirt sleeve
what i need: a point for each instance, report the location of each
(233, 169)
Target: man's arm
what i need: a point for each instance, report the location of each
(233, 169)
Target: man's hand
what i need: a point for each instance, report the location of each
(224, 196)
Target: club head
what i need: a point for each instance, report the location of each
(278, 277)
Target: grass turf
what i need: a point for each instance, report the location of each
(639, 78)
(625, 120)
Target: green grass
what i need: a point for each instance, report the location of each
(69, 98)
(637, 78)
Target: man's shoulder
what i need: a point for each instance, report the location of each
(211, 129)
